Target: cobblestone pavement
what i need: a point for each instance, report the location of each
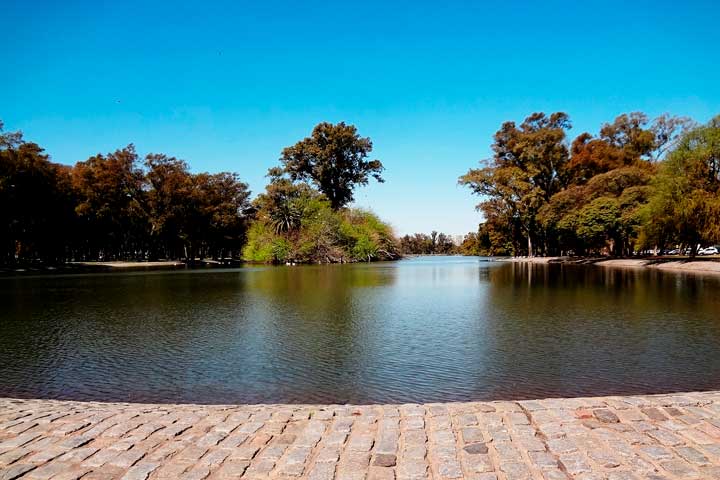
(643, 437)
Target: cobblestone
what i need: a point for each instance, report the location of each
(656, 437)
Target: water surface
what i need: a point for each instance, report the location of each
(419, 330)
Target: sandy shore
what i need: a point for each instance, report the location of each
(709, 265)
(121, 265)
(706, 266)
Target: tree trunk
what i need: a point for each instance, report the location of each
(530, 250)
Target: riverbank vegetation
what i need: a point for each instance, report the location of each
(638, 185)
(119, 206)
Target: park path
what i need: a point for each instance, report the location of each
(658, 437)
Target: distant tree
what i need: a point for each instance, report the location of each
(470, 244)
(560, 201)
(334, 159)
(423, 244)
(628, 134)
(578, 218)
(444, 244)
(416, 244)
(668, 131)
(295, 223)
(112, 207)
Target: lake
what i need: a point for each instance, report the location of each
(425, 329)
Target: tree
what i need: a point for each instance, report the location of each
(524, 174)
(536, 191)
(168, 202)
(598, 223)
(334, 159)
(630, 140)
(423, 244)
(111, 193)
(685, 203)
(284, 201)
(628, 134)
(195, 214)
(225, 205)
(36, 203)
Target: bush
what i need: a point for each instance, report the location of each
(323, 236)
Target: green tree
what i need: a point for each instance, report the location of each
(334, 159)
(598, 223)
(523, 175)
(284, 201)
(685, 203)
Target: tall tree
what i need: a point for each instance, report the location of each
(111, 204)
(169, 203)
(524, 172)
(333, 157)
(224, 206)
(36, 203)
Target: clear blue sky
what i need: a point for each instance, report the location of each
(226, 86)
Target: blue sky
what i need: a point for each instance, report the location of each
(226, 86)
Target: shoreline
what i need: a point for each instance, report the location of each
(654, 436)
(109, 267)
(128, 266)
(710, 265)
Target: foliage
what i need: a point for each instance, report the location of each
(113, 207)
(121, 207)
(590, 198)
(333, 158)
(36, 203)
(318, 234)
(525, 171)
(684, 205)
(423, 244)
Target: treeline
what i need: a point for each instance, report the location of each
(424, 244)
(115, 207)
(638, 185)
(440, 244)
(121, 207)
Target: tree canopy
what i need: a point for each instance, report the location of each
(604, 194)
(333, 158)
(115, 207)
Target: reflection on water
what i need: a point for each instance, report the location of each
(418, 330)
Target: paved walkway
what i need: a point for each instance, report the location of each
(648, 437)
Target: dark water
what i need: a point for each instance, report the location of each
(428, 329)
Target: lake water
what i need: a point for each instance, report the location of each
(419, 330)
